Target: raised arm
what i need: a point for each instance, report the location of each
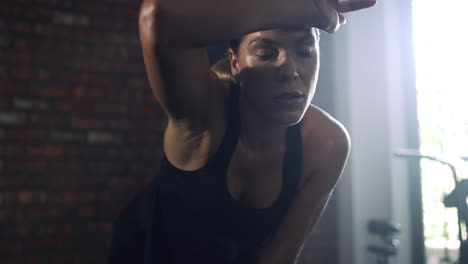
(174, 34)
(201, 22)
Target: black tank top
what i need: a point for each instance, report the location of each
(198, 221)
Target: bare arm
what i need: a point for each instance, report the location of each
(201, 22)
(173, 34)
(306, 209)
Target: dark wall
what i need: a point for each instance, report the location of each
(80, 131)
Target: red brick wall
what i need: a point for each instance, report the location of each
(80, 131)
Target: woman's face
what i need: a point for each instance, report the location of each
(278, 72)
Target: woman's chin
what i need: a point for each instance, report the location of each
(287, 118)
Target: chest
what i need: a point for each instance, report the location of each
(258, 179)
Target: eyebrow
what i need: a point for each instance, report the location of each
(305, 38)
(263, 41)
(267, 41)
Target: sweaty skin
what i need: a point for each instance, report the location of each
(278, 54)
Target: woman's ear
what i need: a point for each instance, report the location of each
(234, 62)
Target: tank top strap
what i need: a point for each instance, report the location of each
(292, 167)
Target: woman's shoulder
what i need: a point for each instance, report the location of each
(324, 139)
(319, 126)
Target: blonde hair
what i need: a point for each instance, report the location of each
(222, 68)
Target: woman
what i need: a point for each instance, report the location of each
(249, 164)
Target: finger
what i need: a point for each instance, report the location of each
(335, 21)
(353, 5)
(342, 19)
(330, 20)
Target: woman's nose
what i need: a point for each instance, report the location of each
(287, 66)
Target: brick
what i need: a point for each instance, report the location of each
(99, 137)
(32, 197)
(64, 107)
(65, 166)
(64, 136)
(81, 93)
(55, 3)
(103, 80)
(123, 124)
(39, 245)
(4, 103)
(21, 73)
(55, 229)
(123, 39)
(120, 154)
(20, 27)
(72, 197)
(92, 7)
(14, 87)
(25, 134)
(116, 109)
(11, 150)
(41, 75)
(106, 168)
(151, 154)
(11, 214)
(45, 151)
(118, 53)
(14, 57)
(42, 214)
(143, 139)
(60, 182)
(35, 166)
(27, 73)
(144, 111)
(47, 120)
(85, 212)
(36, 13)
(110, 23)
(12, 118)
(71, 19)
(4, 41)
(9, 248)
(13, 230)
(121, 183)
(138, 83)
(44, 30)
(87, 151)
(25, 197)
(99, 227)
(125, 12)
(48, 91)
(50, 60)
(3, 73)
(30, 104)
(86, 123)
(111, 209)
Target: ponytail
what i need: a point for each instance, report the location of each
(223, 69)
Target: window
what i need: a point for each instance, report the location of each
(441, 57)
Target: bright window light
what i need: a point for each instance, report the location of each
(441, 57)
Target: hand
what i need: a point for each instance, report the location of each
(334, 8)
(147, 22)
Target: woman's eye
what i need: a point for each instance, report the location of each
(305, 53)
(265, 54)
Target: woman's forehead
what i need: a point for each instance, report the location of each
(286, 34)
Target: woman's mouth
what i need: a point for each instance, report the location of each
(289, 98)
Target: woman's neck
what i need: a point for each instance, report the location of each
(258, 133)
